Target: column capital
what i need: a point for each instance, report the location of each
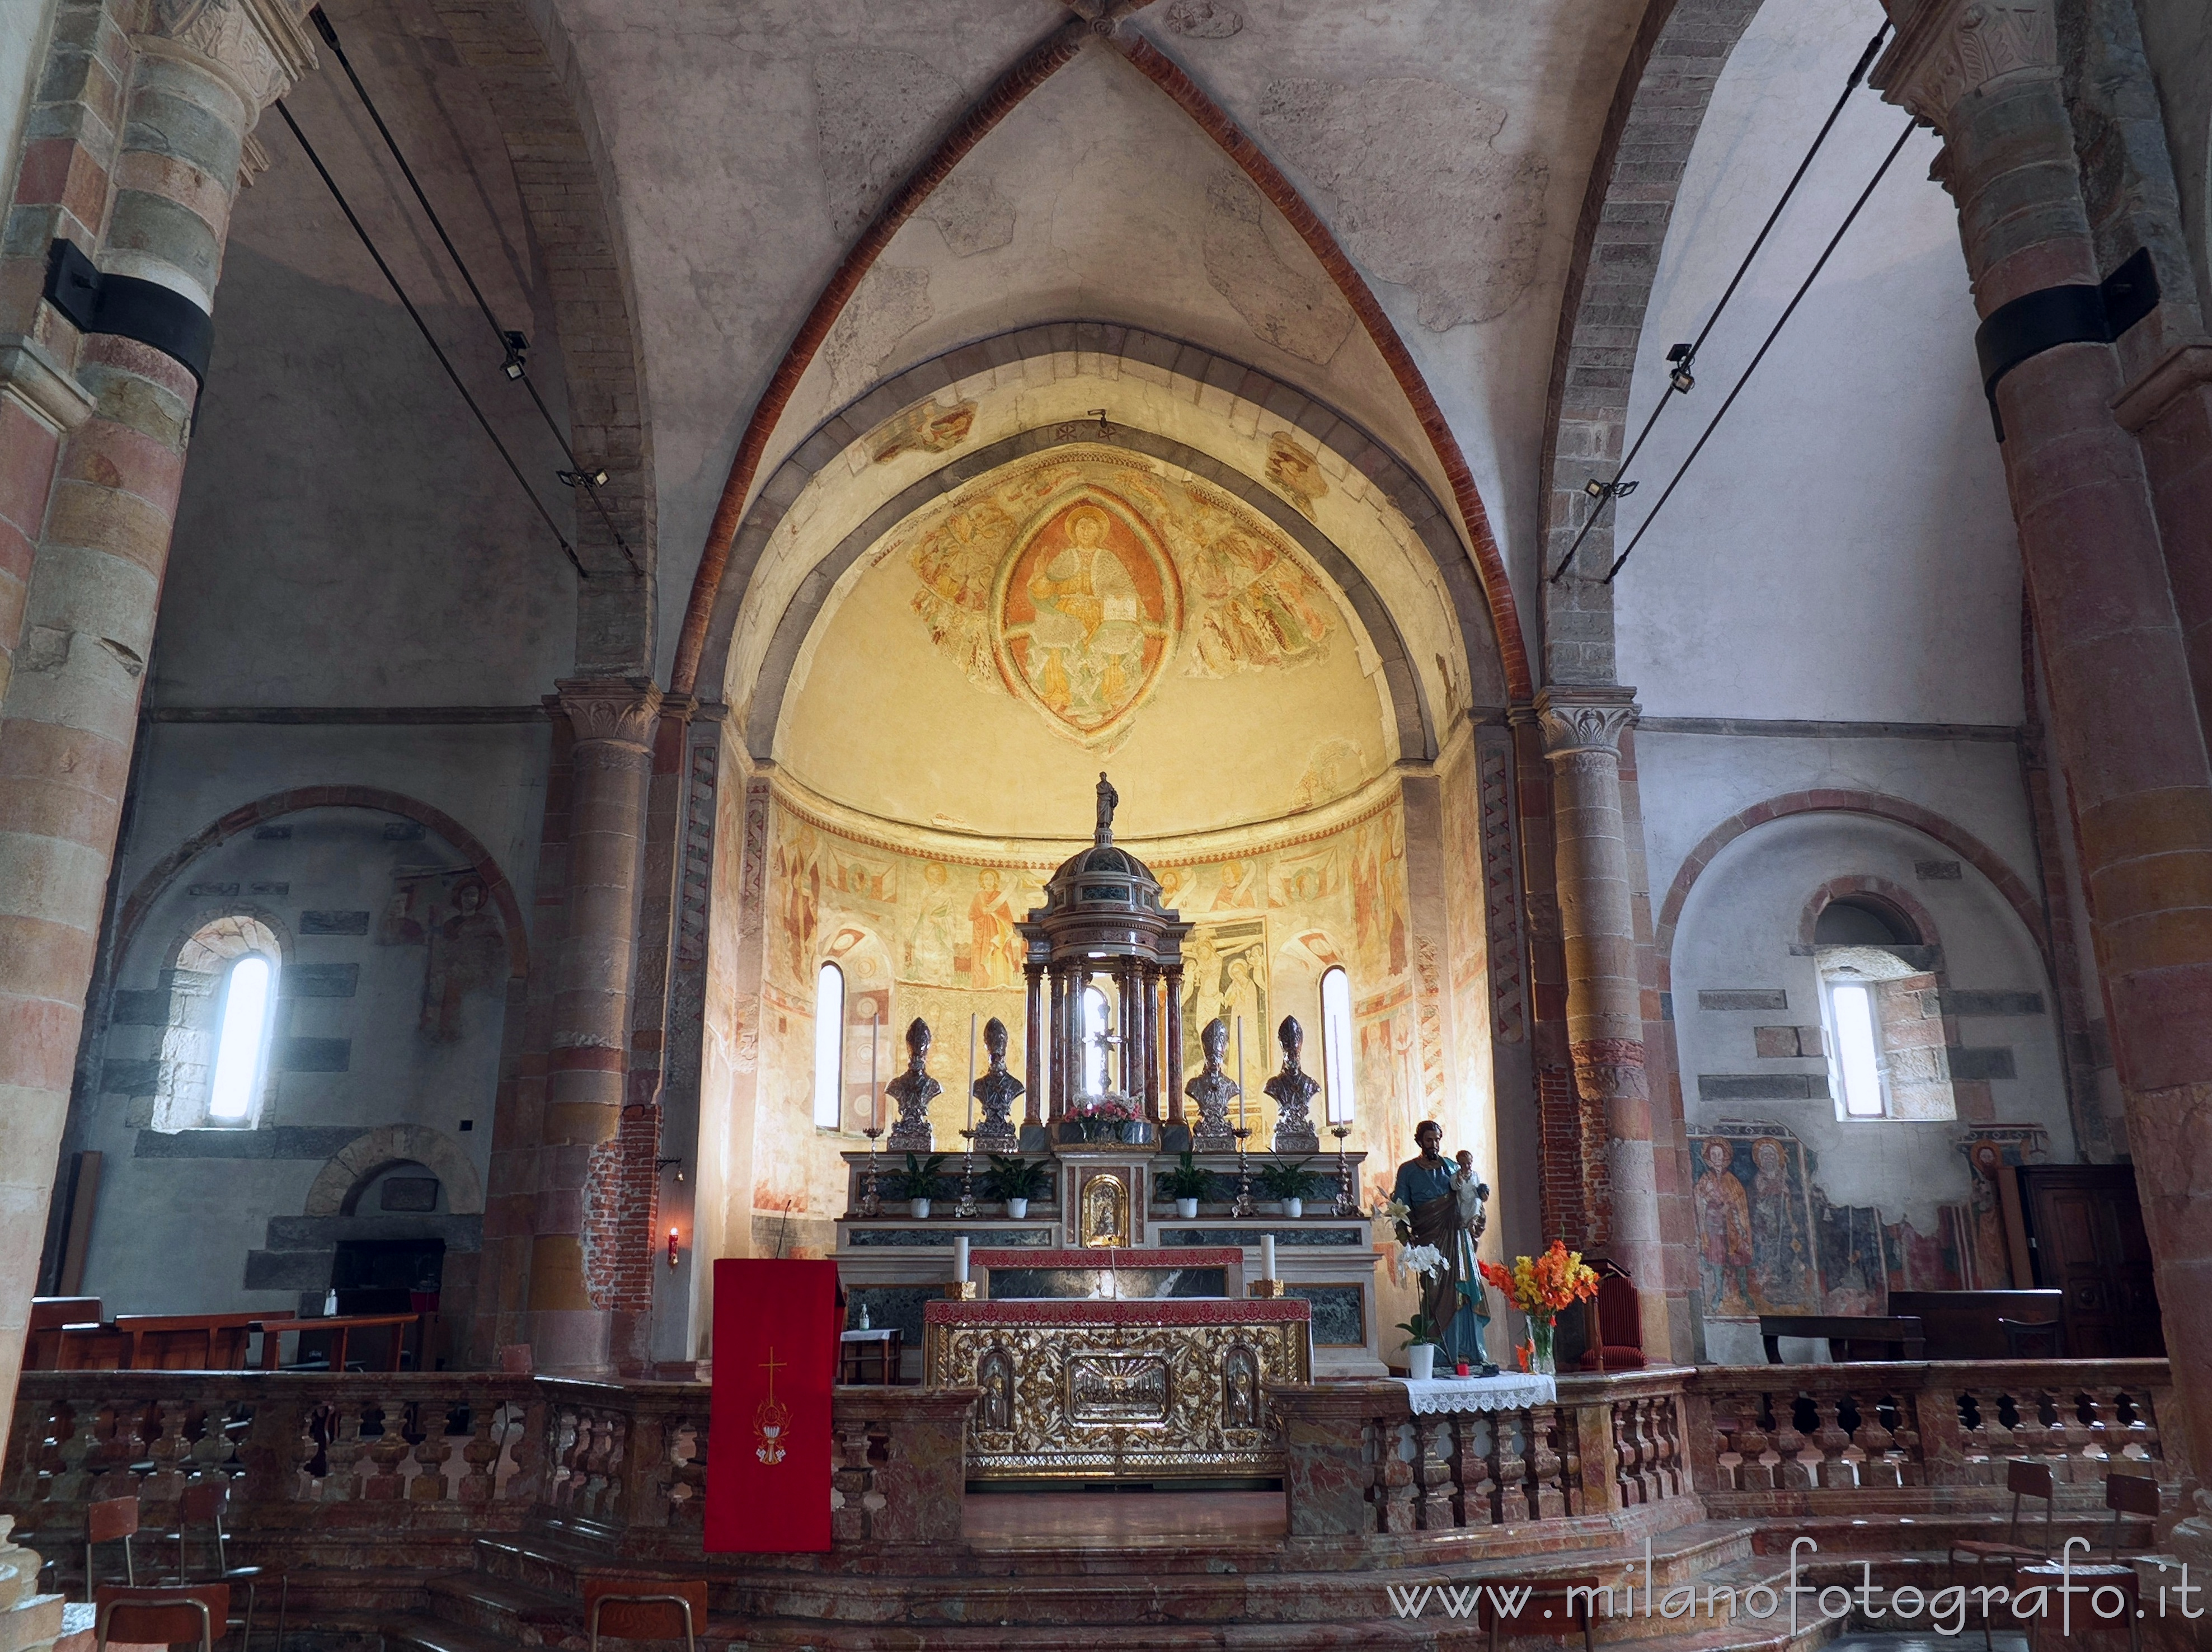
(1947, 50)
(620, 710)
(1585, 719)
(259, 48)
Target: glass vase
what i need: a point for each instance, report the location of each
(1541, 1329)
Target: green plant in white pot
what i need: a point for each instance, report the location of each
(1290, 1183)
(917, 1183)
(1187, 1183)
(1016, 1180)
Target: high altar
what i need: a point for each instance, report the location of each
(1112, 1336)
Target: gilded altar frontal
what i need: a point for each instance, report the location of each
(1096, 823)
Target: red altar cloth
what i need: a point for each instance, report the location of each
(768, 1459)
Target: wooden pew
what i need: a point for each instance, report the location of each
(192, 1342)
(42, 1344)
(1963, 1324)
(1847, 1334)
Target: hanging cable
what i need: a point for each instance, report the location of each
(344, 206)
(512, 345)
(1680, 360)
(1866, 194)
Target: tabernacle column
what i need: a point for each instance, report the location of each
(1582, 729)
(1173, 1041)
(140, 181)
(587, 1068)
(1033, 1069)
(2125, 717)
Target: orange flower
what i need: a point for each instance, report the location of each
(1546, 1283)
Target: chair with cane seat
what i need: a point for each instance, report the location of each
(1540, 1605)
(645, 1609)
(203, 1506)
(158, 1614)
(2023, 1480)
(2124, 1494)
(110, 1520)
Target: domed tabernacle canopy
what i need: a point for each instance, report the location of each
(1102, 918)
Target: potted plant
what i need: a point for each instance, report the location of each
(1421, 1339)
(1290, 1183)
(1186, 1184)
(1016, 1180)
(917, 1183)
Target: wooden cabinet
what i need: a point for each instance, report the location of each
(2085, 1232)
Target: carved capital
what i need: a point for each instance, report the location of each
(1585, 718)
(620, 709)
(258, 47)
(1948, 50)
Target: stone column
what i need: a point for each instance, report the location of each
(1171, 1041)
(1149, 976)
(2124, 715)
(159, 164)
(1582, 729)
(575, 1244)
(1033, 1069)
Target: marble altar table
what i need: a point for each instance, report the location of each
(1090, 1389)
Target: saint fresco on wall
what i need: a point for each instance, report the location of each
(1225, 973)
(1074, 584)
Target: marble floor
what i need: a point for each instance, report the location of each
(1015, 1520)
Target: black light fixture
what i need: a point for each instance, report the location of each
(514, 367)
(1680, 358)
(592, 478)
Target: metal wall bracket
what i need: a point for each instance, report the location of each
(128, 308)
(2077, 313)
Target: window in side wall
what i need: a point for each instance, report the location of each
(828, 1047)
(1336, 1042)
(249, 992)
(1855, 1035)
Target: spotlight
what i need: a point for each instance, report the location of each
(592, 478)
(516, 344)
(1680, 357)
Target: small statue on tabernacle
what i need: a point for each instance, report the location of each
(1214, 1089)
(1109, 799)
(913, 1090)
(996, 1091)
(1293, 1088)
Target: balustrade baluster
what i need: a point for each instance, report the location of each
(1432, 1472)
(1791, 1472)
(432, 1452)
(342, 1456)
(687, 1478)
(1547, 1499)
(1835, 1468)
(1756, 1447)
(1478, 1468)
(1511, 1427)
(1666, 1443)
(479, 1484)
(849, 1482)
(1878, 1464)
(1397, 1476)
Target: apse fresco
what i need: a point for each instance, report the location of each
(1076, 583)
(1770, 1242)
(932, 935)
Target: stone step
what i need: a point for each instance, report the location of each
(479, 1601)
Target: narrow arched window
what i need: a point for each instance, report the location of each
(1336, 1042)
(243, 1037)
(830, 1047)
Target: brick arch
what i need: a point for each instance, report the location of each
(1880, 890)
(369, 1155)
(497, 890)
(534, 90)
(1658, 107)
(1882, 806)
(1029, 72)
(1415, 720)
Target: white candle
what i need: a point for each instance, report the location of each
(1267, 1255)
(971, 1078)
(1240, 1072)
(960, 1259)
(875, 1095)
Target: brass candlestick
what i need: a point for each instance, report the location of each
(966, 1208)
(1346, 1204)
(871, 1203)
(1242, 1207)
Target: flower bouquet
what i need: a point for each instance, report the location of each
(1111, 1117)
(1540, 1287)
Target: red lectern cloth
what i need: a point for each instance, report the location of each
(768, 1422)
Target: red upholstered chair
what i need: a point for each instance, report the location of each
(112, 1520)
(160, 1614)
(2023, 1480)
(2124, 1494)
(202, 1508)
(645, 1609)
(1557, 1607)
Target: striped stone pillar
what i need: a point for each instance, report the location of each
(145, 133)
(1581, 727)
(2124, 711)
(578, 1245)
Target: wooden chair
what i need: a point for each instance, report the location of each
(856, 1348)
(645, 1609)
(203, 1506)
(110, 1520)
(2020, 1333)
(1549, 1607)
(160, 1614)
(2022, 1479)
(2124, 1494)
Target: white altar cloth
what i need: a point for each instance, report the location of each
(1508, 1391)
